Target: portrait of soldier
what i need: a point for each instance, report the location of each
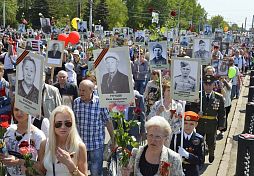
(185, 82)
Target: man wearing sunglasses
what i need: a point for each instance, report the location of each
(91, 121)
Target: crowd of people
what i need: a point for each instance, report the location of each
(69, 139)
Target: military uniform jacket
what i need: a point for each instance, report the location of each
(184, 84)
(213, 107)
(195, 148)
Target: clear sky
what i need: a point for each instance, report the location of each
(233, 11)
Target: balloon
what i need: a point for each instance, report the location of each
(74, 22)
(231, 72)
(74, 37)
(66, 41)
(62, 37)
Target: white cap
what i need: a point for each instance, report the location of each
(69, 66)
(76, 52)
(111, 55)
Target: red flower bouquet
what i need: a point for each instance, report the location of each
(164, 168)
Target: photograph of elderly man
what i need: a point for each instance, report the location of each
(114, 81)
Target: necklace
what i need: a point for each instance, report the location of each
(19, 137)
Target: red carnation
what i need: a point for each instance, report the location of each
(4, 124)
(23, 144)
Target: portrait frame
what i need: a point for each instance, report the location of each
(34, 45)
(118, 92)
(55, 62)
(143, 36)
(208, 30)
(187, 90)
(46, 28)
(208, 46)
(223, 67)
(82, 24)
(27, 105)
(164, 55)
(176, 49)
(21, 28)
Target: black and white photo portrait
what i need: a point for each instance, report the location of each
(223, 67)
(55, 53)
(45, 25)
(114, 78)
(12, 81)
(82, 26)
(158, 54)
(29, 83)
(26, 86)
(176, 49)
(202, 50)
(29, 45)
(140, 36)
(107, 33)
(22, 28)
(207, 30)
(110, 80)
(185, 76)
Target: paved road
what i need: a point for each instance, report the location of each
(226, 149)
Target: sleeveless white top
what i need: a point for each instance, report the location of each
(60, 168)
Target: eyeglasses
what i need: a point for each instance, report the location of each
(59, 124)
(157, 137)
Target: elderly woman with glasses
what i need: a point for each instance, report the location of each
(154, 158)
(63, 153)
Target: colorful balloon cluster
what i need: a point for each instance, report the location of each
(73, 38)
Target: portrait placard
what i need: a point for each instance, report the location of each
(29, 83)
(114, 78)
(207, 30)
(158, 55)
(55, 53)
(140, 37)
(22, 28)
(223, 67)
(33, 45)
(202, 50)
(185, 78)
(45, 25)
(82, 26)
(176, 49)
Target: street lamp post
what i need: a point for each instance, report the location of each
(91, 16)
(4, 13)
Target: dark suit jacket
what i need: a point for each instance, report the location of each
(119, 84)
(140, 39)
(195, 147)
(57, 55)
(161, 60)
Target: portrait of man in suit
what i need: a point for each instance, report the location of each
(45, 25)
(158, 58)
(54, 53)
(140, 37)
(114, 81)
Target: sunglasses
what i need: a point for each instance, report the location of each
(59, 124)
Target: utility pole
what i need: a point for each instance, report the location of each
(4, 14)
(245, 23)
(91, 16)
(79, 9)
(252, 23)
(178, 18)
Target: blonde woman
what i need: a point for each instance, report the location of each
(63, 153)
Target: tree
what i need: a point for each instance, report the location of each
(39, 6)
(218, 22)
(101, 15)
(118, 13)
(10, 12)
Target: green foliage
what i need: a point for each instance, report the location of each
(218, 22)
(101, 14)
(118, 13)
(123, 139)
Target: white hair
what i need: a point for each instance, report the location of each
(159, 122)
